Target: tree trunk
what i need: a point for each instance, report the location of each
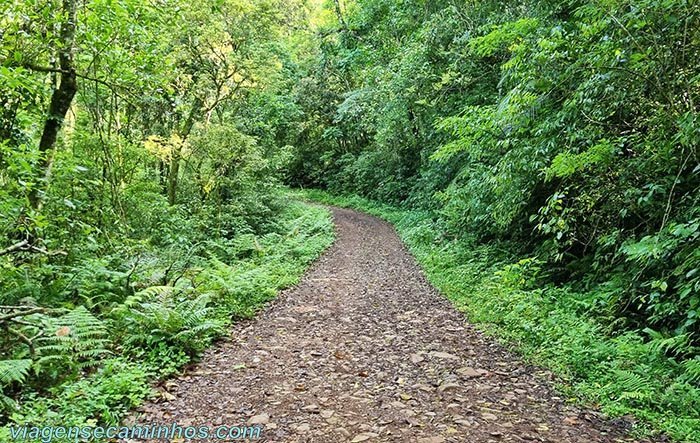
(61, 98)
(176, 156)
(339, 14)
(173, 172)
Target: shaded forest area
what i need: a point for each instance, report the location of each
(140, 206)
(540, 159)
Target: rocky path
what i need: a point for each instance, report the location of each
(364, 349)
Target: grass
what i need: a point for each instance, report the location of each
(621, 374)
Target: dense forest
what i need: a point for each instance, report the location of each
(541, 160)
(140, 162)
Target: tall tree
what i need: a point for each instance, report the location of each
(62, 95)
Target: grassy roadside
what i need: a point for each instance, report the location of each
(156, 331)
(624, 374)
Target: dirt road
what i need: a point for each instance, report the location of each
(364, 349)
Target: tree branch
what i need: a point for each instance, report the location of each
(16, 247)
(47, 69)
(7, 317)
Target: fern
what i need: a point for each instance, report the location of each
(633, 387)
(155, 291)
(675, 345)
(691, 372)
(11, 371)
(153, 316)
(74, 341)
(14, 370)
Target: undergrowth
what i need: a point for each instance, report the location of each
(92, 365)
(637, 373)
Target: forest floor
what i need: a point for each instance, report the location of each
(365, 349)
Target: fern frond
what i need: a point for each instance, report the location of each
(633, 386)
(74, 340)
(691, 372)
(155, 291)
(14, 370)
(6, 403)
(661, 344)
(184, 322)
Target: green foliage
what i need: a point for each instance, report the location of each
(126, 224)
(566, 164)
(11, 371)
(570, 128)
(503, 36)
(158, 315)
(265, 264)
(103, 397)
(153, 328)
(73, 342)
(560, 139)
(14, 370)
(223, 151)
